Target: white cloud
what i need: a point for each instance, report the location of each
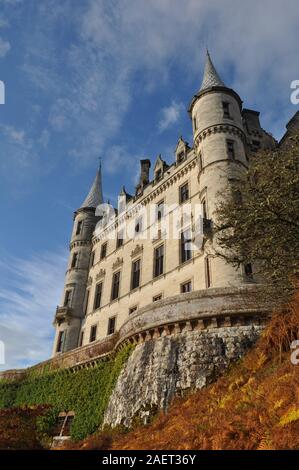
(30, 289)
(91, 81)
(4, 47)
(14, 135)
(170, 115)
(44, 138)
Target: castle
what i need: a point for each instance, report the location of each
(144, 277)
(138, 283)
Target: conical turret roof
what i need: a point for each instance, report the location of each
(210, 76)
(95, 195)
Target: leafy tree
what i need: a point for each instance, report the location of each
(259, 220)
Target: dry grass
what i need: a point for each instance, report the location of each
(254, 406)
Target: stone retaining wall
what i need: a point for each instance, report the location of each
(161, 368)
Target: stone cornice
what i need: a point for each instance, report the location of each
(217, 129)
(77, 243)
(215, 89)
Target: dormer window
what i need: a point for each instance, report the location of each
(158, 174)
(181, 157)
(160, 167)
(181, 150)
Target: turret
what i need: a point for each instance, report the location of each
(219, 144)
(71, 311)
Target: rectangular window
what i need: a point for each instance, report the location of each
(115, 285)
(194, 124)
(157, 297)
(111, 326)
(120, 239)
(93, 333)
(86, 303)
(132, 309)
(138, 225)
(91, 262)
(186, 241)
(204, 209)
(158, 260)
(81, 338)
(225, 107)
(67, 298)
(160, 210)
(200, 164)
(74, 260)
(230, 145)
(184, 193)
(104, 250)
(186, 287)
(248, 270)
(79, 227)
(135, 280)
(98, 296)
(208, 272)
(60, 341)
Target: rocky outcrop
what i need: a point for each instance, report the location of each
(161, 368)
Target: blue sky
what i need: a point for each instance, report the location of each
(111, 79)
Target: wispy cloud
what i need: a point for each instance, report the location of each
(4, 47)
(14, 135)
(30, 289)
(170, 115)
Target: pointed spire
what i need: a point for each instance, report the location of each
(210, 76)
(95, 195)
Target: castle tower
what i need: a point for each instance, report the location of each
(219, 145)
(70, 313)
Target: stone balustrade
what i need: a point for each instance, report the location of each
(198, 310)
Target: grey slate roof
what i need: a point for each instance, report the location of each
(210, 76)
(95, 195)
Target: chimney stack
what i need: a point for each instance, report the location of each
(144, 175)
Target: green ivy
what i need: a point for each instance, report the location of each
(86, 392)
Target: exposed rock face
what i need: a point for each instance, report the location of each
(159, 369)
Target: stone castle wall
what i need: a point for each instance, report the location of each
(159, 369)
(182, 343)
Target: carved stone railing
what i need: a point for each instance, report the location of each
(198, 310)
(63, 314)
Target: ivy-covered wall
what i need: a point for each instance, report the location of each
(86, 392)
